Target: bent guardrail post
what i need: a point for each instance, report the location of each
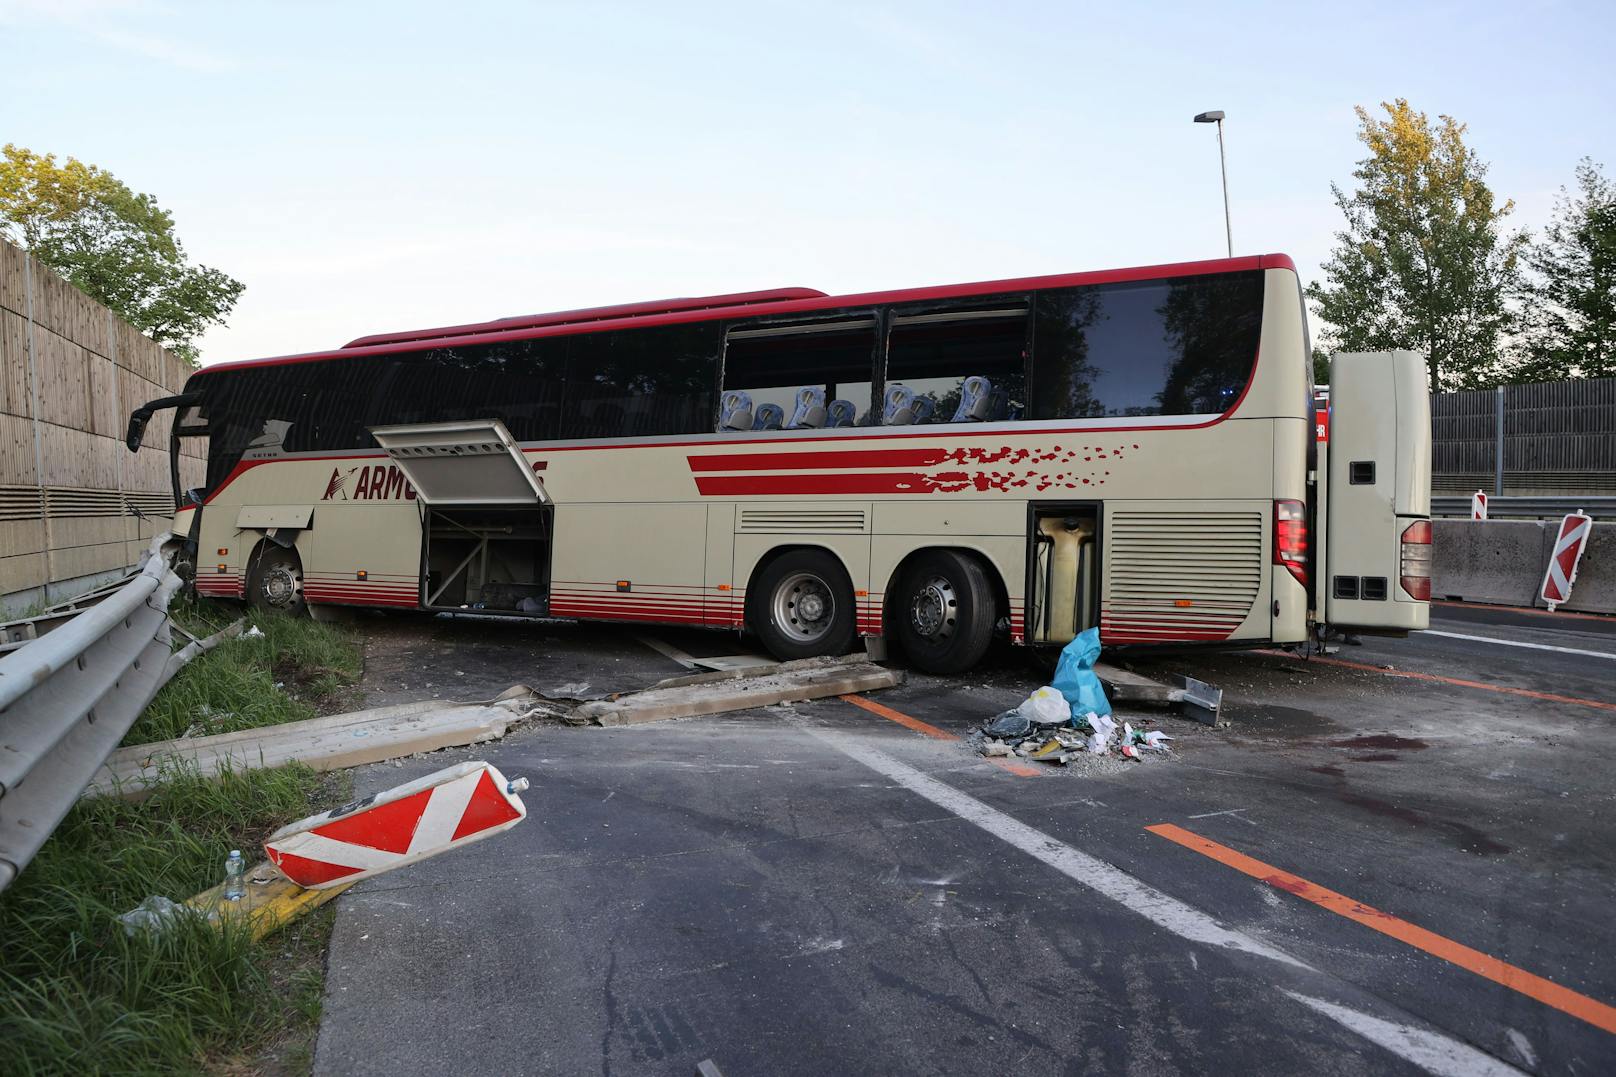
(68, 697)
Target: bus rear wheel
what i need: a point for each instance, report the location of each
(801, 606)
(944, 611)
(276, 582)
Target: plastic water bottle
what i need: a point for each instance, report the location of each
(235, 876)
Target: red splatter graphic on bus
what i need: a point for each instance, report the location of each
(781, 473)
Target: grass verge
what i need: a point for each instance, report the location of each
(77, 995)
(296, 669)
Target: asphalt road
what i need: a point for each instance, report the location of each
(1359, 859)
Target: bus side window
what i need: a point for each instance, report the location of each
(641, 382)
(1162, 347)
(961, 364)
(806, 375)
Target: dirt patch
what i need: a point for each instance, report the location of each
(1467, 837)
(1387, 741)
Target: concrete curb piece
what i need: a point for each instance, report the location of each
(780, 685)
(341, 740)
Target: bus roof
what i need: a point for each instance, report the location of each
(783, 301)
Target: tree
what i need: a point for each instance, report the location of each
(1570, 301)
(1423, 263)
(116, 246)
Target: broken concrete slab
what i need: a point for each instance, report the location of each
(341, 740)
(814, 679)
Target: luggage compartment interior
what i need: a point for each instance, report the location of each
(1064, 568)
(495, 559)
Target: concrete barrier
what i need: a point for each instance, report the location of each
(1503, 561)
(1595, 589)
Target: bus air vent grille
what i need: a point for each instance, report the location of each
(804, 521)
(1180, 575)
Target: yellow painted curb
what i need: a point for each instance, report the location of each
(272, 900)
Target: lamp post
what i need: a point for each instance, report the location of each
(1223, 167)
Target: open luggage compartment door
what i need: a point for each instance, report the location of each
(471, 462)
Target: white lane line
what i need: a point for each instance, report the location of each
(668, 650)
(1519, 643)
(1430, 1049)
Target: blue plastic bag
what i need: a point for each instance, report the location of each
(1075, 679)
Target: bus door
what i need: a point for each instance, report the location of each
(486, 520)
(1375, 565)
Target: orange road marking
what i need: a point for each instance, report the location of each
(911, 722)
(1557, 614)
(1548, 697)
(1564, 999)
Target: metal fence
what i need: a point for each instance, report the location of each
(1543, 439)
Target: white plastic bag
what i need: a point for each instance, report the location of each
(1046, 707)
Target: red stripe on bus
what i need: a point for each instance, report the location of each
(832, 458)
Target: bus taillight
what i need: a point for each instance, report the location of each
(1416, 567)
(1290, 538)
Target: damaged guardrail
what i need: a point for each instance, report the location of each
(68, 697)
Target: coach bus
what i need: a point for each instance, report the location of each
(1027, 458)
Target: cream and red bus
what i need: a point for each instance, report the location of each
(1133, 449)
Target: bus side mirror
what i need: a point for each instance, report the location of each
(137, 428)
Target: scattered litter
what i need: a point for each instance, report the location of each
(253, 632)
(1049, 728)
(156, 914)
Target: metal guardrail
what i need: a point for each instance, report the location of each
(1531, 508)
(68, 697)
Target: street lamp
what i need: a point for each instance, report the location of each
(1217, 118)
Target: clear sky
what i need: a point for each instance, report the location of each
(369, 167)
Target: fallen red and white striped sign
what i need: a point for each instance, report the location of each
(453, 807)
(1568, 547)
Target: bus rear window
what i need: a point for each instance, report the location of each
(1184, 346)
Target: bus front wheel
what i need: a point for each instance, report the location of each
(276, 582)
(801, 606)
(944, 611)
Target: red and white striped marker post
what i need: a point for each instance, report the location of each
(453, 807)
(1568, 547)
(1478, 506)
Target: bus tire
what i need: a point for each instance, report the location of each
(801, 606)
(944, 611)
(275, 583)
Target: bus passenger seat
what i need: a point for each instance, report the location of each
(975, 397)
(769, 417)
(810, 413)
(841, 413)
(899, 409)
(735, 413)
(924, 406)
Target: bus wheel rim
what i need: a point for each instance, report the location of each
(934, 609)
(281, 586)
(804, 608)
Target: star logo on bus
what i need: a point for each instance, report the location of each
(338, 483)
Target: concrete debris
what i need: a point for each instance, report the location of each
(785, 683)
(581, 691)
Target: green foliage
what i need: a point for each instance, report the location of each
(233, 686)
(116, 246)
(77, 995)
(1570, 302)
(1423, 263)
